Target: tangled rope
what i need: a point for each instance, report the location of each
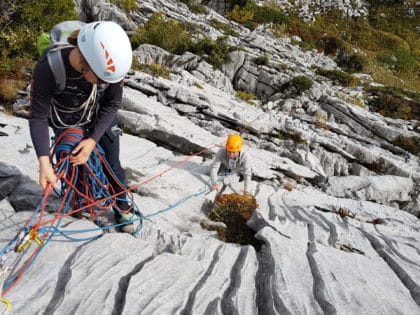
(85, 189)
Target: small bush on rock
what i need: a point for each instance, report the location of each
(216, 52)
(247, 97)
(392, 102)
(297, 85)
(410, 144)
(235, 210)
(164, 32)
(195, 7)
(261, 60)
(337, 76)
(330, 45)
(226, 28)
(351, 62)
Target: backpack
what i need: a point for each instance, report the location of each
(49, 45)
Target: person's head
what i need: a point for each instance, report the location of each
(105, 50)
(233, 146)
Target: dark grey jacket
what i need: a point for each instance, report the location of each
(240, 165)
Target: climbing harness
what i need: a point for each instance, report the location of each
(87, 109)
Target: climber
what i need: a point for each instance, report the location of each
(228, 160)
(94, 64)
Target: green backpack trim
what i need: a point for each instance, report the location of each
(42, 43)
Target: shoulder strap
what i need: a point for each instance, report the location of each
(55, 60)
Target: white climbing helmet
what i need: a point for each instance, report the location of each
(107, 50)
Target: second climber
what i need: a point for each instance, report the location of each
(231, 159)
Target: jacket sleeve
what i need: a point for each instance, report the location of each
(246, 170)
(42, 87)
(108, 109)
(215, 166)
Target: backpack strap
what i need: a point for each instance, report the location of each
(57, 66)
(55, 60)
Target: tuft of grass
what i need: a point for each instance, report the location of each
(127, 5)
(296, 86)
(8, 89)
(247, 97)
(261, 60)
(194, 6)
(410, 144)
(216, 52)
(394, 102)
(226, 28)
(235, 210)
(337, 76)
(250, 15)
(198, 85)
(164, 32)
(351, 62)
(155, 69)
(321, 121)
(330, 44)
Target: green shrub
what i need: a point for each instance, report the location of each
(407, 62)
(235, 210)
(337, 76)
(247, 97)
(261, 60)
(389, 103)
(395, 91)
(127, 5)
(297, 85)
(241, 15)
(21, 23)
(250, 14)
(390, 106)
(43, 15)
(269, 13)
(9, 88)
(164, 32)
(194, 7)
(226, 28)
(410, 144)
(330, 45)
(351, 62)
(154, 69)
(216, 52)
(400, 60)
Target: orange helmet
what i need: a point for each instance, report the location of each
(234, 143)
